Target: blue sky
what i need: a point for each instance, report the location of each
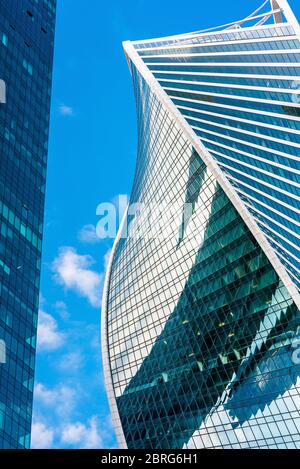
(91, 160)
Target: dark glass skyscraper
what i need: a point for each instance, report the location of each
(26, 56)
(201, 323)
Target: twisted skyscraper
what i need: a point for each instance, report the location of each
(201, 326)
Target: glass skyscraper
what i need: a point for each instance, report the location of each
(201, 322)
(26, 55)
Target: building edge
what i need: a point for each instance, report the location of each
(289, 14)
(108, 382)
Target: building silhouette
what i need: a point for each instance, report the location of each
(26, 55)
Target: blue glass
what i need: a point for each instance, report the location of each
(26, 55)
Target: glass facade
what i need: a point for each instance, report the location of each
(26, 56)
(252, 158)
(201, 327)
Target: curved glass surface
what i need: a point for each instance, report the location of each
(202, 333)
(200, 328)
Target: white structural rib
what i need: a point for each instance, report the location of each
(212, 84)
(237, 108)
(227, 64)
(261, 171)
(216, 43)
(222, 54)
(227, 75)
(263, 194)
(247, 144)
(239, 119)
(270, 207)
(255, 158)
(276, 233)
(250, 133)
(232, 97)
(255, 210)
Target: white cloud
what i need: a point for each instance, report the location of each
(107, 258)
(72, 271)
(66, 110)
(42, 437)
(48, 336)
(95, 433)
(62, 398)
(83, 436)
(71, 362)
(88, 234)
(54, 423)
(62, 309)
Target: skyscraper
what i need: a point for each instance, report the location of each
(201, 323)
(26, 55)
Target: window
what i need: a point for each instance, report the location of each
(4, 40)
(28, 67)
